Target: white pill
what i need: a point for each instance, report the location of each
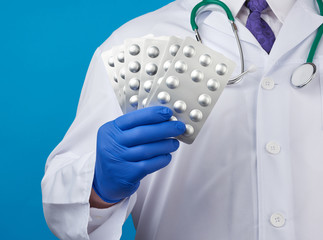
(151, 69)
(153, 52)
(189, 130)
(173, 118)
(221, 69)
(115, 77)
(123, 73)
(189, 51)
(167, 65)
(134, 84)
(205, 60)
(134, 49)
(213, 84)
(180, 67)
(134, 67)
(111, 61)
(134, 101)
(196, 115)
(144, 102)
(163, 97)
(172, 82)
(179, 106)
(147, 85)
(197, 76)
(173, 49)
(120, 57)
(204, 100)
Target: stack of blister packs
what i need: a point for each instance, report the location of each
(183, 75)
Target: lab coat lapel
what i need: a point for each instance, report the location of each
(219, 21)
(299, 24)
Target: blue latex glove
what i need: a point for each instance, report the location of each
(132, 146)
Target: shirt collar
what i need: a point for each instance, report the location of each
(279, 7)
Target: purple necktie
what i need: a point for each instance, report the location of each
(257, 26)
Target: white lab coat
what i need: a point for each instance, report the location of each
(230, 182)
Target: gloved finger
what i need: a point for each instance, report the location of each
(154, 164)
(151, 133)
(150, 150)
(148, 166)
(143, 116)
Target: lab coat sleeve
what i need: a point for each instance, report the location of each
(67, 182)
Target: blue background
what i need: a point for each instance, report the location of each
(45, 49)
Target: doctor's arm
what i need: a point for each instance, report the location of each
(97, 202)
(67, 183)
(69, 171)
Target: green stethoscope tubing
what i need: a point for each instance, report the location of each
(194, 14)
(207, 2)
(317, 37)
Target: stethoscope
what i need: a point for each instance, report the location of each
(301, 76)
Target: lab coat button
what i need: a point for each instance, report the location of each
(272, 148)
(267, 83)
(277, 220)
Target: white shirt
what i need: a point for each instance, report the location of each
(274, 15)
(255, 171)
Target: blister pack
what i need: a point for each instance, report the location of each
(192, 85)
(170, 52)
(120, 73)
(109, 63)
(152, 53)
(133, 66)
(183, 75)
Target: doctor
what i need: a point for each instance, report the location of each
(255, 172)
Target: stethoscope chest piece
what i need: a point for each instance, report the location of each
(303, 75)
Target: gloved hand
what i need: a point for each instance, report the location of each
(132, 146)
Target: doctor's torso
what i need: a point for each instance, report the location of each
(256, 169)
